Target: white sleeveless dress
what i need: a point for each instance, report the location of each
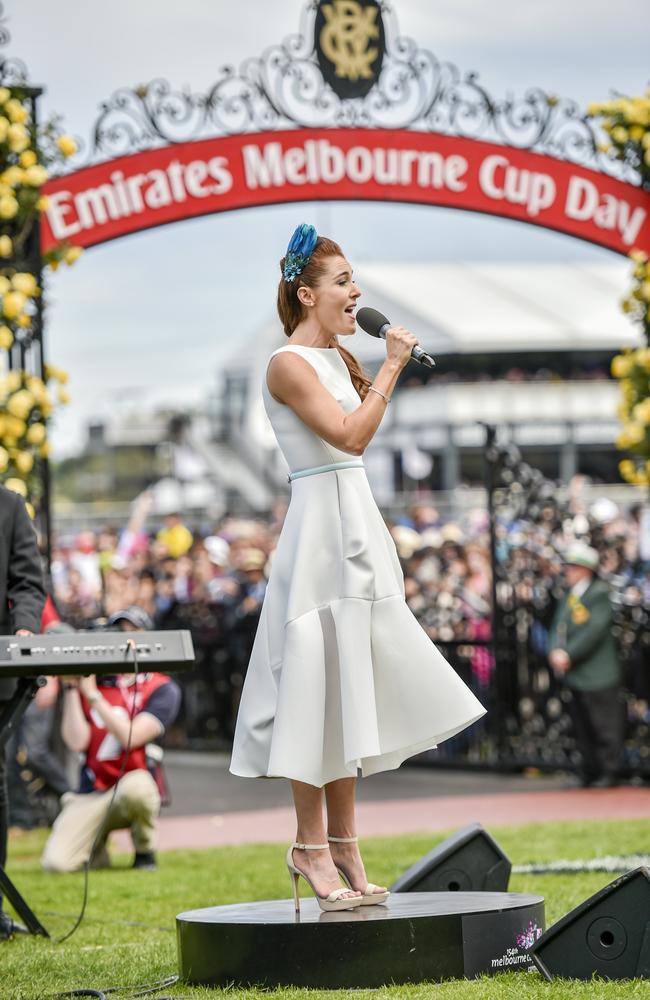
(341, 676)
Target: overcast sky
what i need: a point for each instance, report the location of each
(151, 317)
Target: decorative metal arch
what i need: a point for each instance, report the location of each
(284, 87)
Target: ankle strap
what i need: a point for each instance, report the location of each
(343, 840)
(312, 847)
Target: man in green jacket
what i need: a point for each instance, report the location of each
(583, 651)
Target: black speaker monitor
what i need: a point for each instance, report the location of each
(469, 861)
(608, 934)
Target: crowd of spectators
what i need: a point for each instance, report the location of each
(214, 582)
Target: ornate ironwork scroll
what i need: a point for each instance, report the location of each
(285, 88)
(13, 72)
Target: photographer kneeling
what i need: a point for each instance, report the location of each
(98, 716)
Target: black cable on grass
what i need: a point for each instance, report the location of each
(130, 644)
(128, 992)
(84, 993)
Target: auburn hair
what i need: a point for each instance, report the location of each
(291, 310)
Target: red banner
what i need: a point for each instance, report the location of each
(132, 193)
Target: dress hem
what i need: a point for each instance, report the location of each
(388, 761)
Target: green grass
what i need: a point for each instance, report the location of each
(128, 934)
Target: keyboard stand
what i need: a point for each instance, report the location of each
(9, 719)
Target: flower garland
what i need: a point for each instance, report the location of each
(26, 400)
(626, 121)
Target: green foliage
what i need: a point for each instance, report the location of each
(128, 934)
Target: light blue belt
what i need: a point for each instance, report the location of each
(355, 463)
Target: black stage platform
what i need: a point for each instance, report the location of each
(414, 937)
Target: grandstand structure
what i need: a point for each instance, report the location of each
(522, 346)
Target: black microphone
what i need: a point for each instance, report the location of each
(376, 324)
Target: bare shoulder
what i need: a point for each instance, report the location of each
(288, 373)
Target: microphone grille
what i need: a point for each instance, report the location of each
(371, 320)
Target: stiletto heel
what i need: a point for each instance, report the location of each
(369, 896)
(294, 884)
(335, 900)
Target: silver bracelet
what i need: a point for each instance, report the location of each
(387, 398)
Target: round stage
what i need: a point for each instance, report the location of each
(414, 937)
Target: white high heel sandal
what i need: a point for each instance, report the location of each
(335, 900)
(370, 896)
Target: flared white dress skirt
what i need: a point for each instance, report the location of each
(342, 677)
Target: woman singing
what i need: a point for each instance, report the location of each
(342, 677)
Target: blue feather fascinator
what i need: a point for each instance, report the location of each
(301, 246)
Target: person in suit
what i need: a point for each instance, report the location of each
(22, 598)
(583, 652)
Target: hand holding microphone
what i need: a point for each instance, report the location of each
(401, 345)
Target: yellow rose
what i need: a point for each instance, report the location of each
(15, 426)
(23, 321)
(641, 478)
(17, 486)
(4, 128)
(6, 338)
(24, 462)
(25, 282)
(5, 284)
(20, 404)
(5, 94)
(63, 396)
(620, 366)
(8, 206)
(6, 246)
(13, 381)
(645, 291)
(36, 386)
(67, 145)
(4, 459)
(635, 432)
(646, 157)
(43, 203)
(636, 133)
(594, 109)
(53, 264)
(629, 395)
(627, 470)
(638, 256)
(36, 176)
(17, 137)
(36, 434)
(16, 111)
(641, 412)
(72, 254)
(51, 372)
(44, 450)
(13, 176)
(30, 509)
(645, 142)
(619, 135)
(13, 304)
(28, 158)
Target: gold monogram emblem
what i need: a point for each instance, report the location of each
(345, 38)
